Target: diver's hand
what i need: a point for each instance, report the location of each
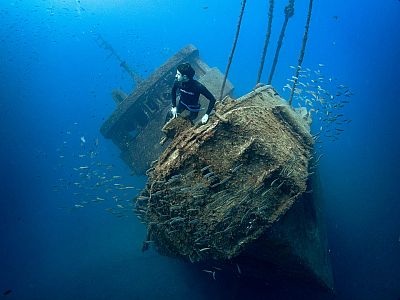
(174, 112)
(204, 119)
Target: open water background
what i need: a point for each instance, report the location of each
(55, 85)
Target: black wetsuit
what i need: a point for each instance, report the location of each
(189, 92)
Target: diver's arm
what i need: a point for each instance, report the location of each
(204, 91)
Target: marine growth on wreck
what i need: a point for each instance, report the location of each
(218, 187)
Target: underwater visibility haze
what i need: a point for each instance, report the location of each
(67, 227)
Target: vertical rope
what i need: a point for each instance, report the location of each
(289, 12)
(267, 37)
(303, 47)
(233, 49)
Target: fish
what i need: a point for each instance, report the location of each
(288, 86)
(209, 175)
(238, 269)
(204, 249)
(7, 292)
(210, 272)
(326, 98)
(83, 140)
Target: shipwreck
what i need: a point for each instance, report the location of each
(239, 190)
(236, 189)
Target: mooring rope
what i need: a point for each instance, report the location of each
(267, 37)
(289, 12)
(303, 47)
(233, 49)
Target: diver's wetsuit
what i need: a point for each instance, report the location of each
(189, 97)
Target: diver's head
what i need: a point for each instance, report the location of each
(184, 72)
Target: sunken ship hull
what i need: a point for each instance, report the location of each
(236, 189)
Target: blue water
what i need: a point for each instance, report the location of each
(56, 83)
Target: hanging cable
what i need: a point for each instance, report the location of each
(233, 49)
(289, 12)
(267, 37)
(303, 47)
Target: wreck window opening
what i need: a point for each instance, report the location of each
(151, 106)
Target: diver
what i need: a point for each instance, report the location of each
(189, 92)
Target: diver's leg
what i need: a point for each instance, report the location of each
(193, 115)
(180, 108)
